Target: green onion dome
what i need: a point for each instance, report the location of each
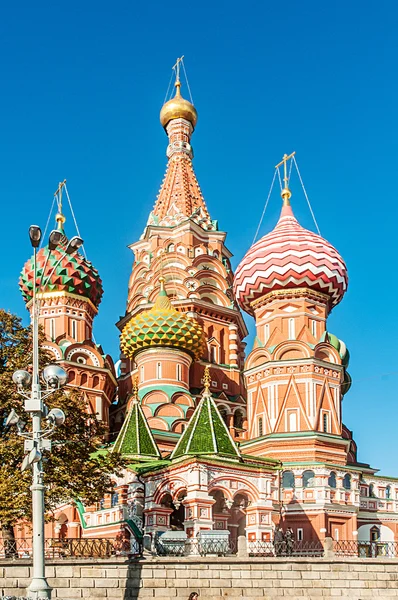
(68, 273)
(339, 345)
(162, 326)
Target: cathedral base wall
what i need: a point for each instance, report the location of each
(213, 578)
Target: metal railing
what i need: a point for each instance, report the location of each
(285, 549)
(365, 549)
(71, 547)
(195, 547)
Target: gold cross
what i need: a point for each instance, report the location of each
(284, 163)
(176, 68)
(58, 194)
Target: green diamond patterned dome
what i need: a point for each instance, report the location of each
(164, 326)
(68, 273)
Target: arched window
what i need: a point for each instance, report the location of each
(347, 481)
(142, 373)
(159, 370)
(332, 480)
(238, 419)
(114, 499)
(388, 492)
(288, 480)
(95, 382)
(224, 414)
(372, 491)
(71, 376)
(308, 479)
(170, 248)
(84, 379)
(260, 427)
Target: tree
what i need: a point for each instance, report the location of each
(75, 468)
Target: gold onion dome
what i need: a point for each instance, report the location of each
(178, 108)
(162, 326)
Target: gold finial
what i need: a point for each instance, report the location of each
(286, 193)
(135, 391)
(176, 69)
(161, 281)
(206, 378)
(59, 217)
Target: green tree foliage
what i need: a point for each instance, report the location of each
(77, 467)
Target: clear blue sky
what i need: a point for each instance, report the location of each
(82, 85)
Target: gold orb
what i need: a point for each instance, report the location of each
(178, 108)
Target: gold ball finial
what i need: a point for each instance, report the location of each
(60, 220)
(178, 108)
(286, 195)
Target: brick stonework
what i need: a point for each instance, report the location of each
(215, 579)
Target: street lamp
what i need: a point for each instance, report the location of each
(37, 440)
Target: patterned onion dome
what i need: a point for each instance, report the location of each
(73, 274)
(290, 257)
(164, 326)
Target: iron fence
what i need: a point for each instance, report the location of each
(285, 549)
(195, 547)
(71, 547)
(365, 549)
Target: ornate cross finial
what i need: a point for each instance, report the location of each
(206, 378)
(286, 193)
(60, 219)
(176, 68)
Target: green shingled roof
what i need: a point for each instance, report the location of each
(206, 433)
(135, 438)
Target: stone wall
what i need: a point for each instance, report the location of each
(213, 578)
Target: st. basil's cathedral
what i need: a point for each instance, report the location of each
(217, 437)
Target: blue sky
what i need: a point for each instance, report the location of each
(82, 86)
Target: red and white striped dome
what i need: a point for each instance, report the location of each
(290, 257)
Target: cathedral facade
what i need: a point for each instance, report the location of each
(217, 437)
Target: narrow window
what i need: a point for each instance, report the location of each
(388, 492)
(292, 334)
(325, 422)
(52, 329)
(293, 421)
(213, 354)
(336, 535)
(179, 372)
(142, 373)
(159, 370)
(266, 332)
(260, 427)
(74, 329)
(300, 534)
(313, 328)
(98, 407)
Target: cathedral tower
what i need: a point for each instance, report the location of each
(69, 293)
(182, 244)
(296, 373)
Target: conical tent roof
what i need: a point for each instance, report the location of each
(135, 438)
(206, 433)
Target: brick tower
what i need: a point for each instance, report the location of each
(182, 245)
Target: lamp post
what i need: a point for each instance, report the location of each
(36, 441)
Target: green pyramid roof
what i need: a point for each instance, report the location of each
(135, 438)
(206, 433)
